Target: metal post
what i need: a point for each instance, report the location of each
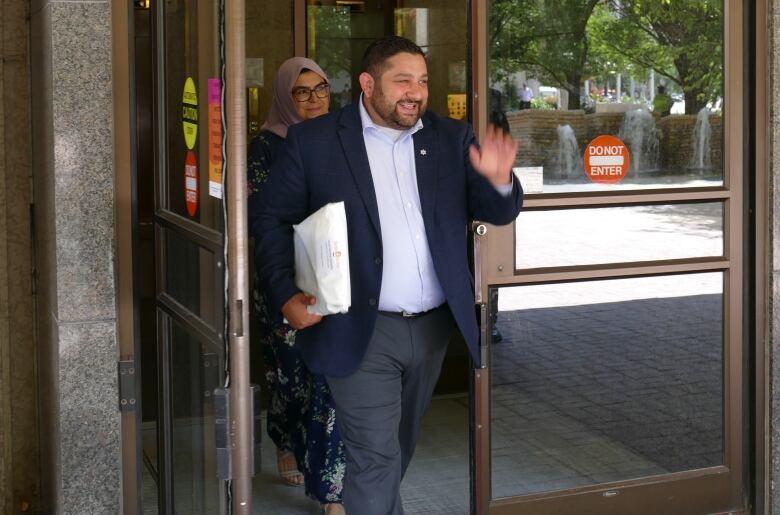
(480, 101)
(238, 297)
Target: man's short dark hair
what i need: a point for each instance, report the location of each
(378, 52)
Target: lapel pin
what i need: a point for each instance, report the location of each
(423, 152)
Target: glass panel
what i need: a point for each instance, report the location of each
(618, 234)
(647, 72)
(150, 470)
(190, 277)
(149, 503)
(601, 381)
(339, 32)
(269, 42)
(191, 66)
(197, 369)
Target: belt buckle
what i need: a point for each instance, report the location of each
(406, 314)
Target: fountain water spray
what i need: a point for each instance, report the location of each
(702, 133)
(569, 157)
(640, 134)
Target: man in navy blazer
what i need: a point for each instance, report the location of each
(411, 182)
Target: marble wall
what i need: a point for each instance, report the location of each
(19, 486)
(74, 247)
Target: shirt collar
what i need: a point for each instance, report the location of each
(368, 123)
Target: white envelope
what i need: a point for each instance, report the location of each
(322, 259)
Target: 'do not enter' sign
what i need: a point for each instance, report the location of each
(606, 159)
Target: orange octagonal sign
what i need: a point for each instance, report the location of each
(606, 159)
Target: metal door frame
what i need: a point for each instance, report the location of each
(128, 333)
(239, 300)
(494, 266)
(760, 347)
(237, 312)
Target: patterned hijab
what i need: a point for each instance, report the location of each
(282, 113)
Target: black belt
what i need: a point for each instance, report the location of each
(407, 314)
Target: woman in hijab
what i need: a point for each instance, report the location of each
(301, 414)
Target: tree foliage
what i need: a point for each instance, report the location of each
(330, 28)
(549, 39)
(679, 39)
(563, 42)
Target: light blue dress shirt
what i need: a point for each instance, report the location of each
(409, 281)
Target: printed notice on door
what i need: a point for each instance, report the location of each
(215, 137)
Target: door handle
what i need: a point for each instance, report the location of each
(479, 230)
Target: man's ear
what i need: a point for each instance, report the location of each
(366, 84)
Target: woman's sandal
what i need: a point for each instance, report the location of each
(288, 468)
(333, 508)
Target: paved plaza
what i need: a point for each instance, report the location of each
(593, 382)
(580, 395)
(604, 392)
(607, 380)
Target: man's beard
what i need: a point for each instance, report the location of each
(388, 113)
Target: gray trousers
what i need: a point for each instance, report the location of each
(380, 406)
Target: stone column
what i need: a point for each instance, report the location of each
(18, 430)
(74, 247)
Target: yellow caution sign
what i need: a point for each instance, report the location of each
(189, 113)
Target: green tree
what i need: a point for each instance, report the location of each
(603, 60)
(548, 39)
(679, 39)
(329, 37)
(563, 42)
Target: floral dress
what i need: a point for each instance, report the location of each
(301, 413)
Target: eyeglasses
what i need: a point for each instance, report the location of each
(303, 94)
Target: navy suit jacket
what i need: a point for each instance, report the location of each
(324, 160)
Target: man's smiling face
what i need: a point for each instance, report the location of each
(400, 96)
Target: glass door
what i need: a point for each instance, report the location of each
(616, 386)
(189, 225)
(338, 33)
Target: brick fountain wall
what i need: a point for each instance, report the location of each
(536, 130)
